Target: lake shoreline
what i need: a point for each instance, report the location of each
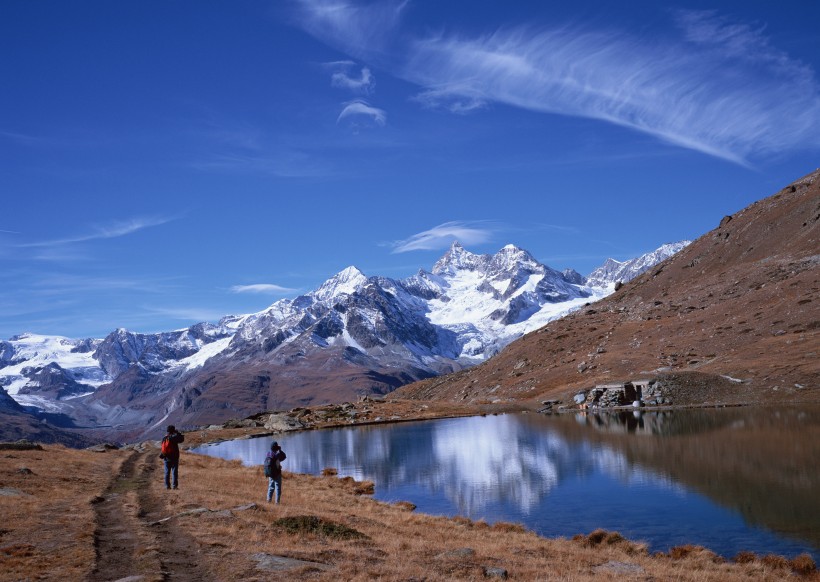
(377, 408)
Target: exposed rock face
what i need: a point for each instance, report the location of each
(52, 381)
(733, 317)
(122, 349)
(8, 404)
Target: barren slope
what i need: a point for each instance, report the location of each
(741, 302)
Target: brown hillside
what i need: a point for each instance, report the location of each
(740, 302)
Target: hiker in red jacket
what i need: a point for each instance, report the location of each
(170, 455)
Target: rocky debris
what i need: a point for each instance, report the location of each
(283, 423)
(103, 448)
(618, 568)
(272, 563)
(657, 394)
(493, 572)
(21, 445)
(653, 393)
(25, 471)
(205, 510)
(12, 492)
(460, 553)
(243, 423)
(548, 406)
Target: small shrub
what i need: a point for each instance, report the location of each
(507, 527)
(775, 561)
(310, 524)
(596, 537)
(690, 550)
(329, 472)
(405, 505)
(680, 552)
(803, 564)
(365, 488)
(614, 538)
(745, 557)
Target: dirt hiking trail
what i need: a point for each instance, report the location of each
(129, 539)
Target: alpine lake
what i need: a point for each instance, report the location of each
(729, 479)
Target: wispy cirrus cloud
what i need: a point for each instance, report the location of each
(706, 84)
(113, 229)
(262, 288)
(342, 79)
(362, 28)
(453, 98)
(358, 109)
(443, 235)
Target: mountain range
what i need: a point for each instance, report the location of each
(354, 335)
(733, 318)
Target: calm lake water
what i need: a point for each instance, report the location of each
(728, 479)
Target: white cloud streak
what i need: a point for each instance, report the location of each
(112, 230)
(365, 83)
(715, 87)
(443, 235)
(262, 288)
(360, 108)
(363, 28)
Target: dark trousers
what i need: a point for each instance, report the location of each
(171, 471)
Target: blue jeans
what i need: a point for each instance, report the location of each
(171, 470)
(275, 486)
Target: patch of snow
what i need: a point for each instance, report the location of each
(207, 352)
(352, 342)
(38, 402)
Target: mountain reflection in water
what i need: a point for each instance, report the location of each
(730, 479)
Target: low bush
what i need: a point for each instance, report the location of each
(310, 524)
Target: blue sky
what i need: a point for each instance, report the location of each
(164, 163)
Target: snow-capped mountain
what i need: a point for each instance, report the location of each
(612, 271)
(36, 368)
(353, 335)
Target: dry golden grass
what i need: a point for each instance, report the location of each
(47, 531)
(325, 521)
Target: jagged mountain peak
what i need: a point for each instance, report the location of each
(457, 258)
(346, 281)
(509, 258)
(613, 271)
(512, 259)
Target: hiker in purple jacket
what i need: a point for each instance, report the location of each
(170, 455)
(273, 470)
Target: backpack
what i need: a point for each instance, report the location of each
(168, 447)
(272, 466)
